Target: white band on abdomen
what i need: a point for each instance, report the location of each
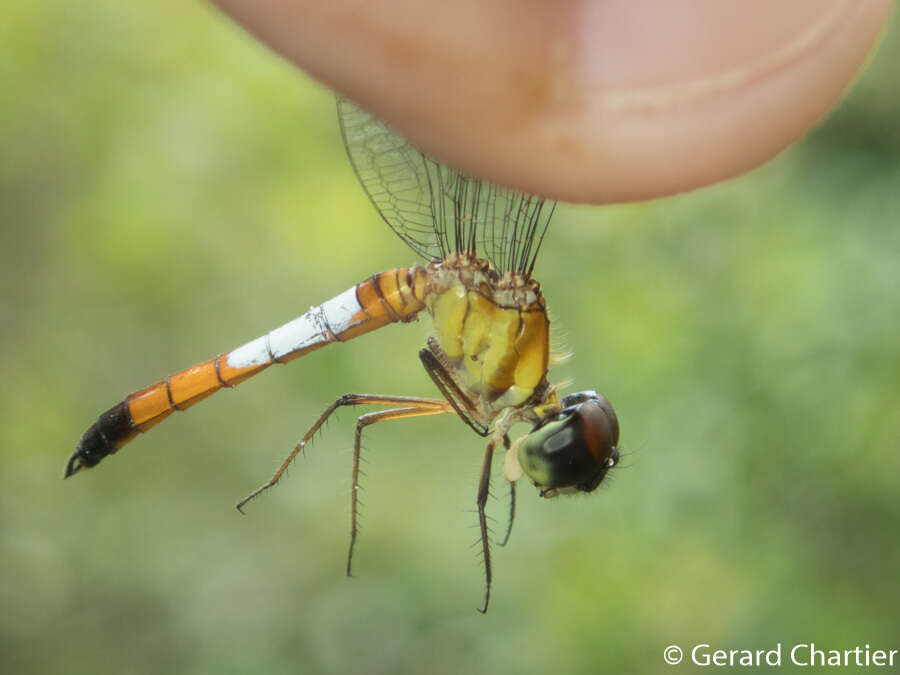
(319, 325)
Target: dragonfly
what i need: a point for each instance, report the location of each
(488, 356)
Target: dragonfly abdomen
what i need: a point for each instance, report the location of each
(388, 297)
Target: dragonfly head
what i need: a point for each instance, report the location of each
(573, 449)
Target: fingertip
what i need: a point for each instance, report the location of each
(591, 102)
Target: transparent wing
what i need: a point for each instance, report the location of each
(437, 210)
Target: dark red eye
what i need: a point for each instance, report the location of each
(574, 448)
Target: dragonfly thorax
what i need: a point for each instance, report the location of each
(492, 329)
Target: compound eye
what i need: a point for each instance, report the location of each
(576, 448)
(601, 429)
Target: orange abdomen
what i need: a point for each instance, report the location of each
(394, 295)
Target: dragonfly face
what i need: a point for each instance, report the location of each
(573, 449)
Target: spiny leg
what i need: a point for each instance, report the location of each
(512, 504)
(448, 387)
(346, 399)
(484, 485)
(423, 407)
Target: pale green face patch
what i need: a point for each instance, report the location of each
(576, 447)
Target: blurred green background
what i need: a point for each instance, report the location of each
(169, 189)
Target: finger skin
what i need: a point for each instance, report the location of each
(592, 101)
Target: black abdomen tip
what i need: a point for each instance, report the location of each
(111, 431)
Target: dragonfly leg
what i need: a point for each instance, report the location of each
(433, 359)
(484, 485)
(418, 409)
(347, 399)
(512, 503)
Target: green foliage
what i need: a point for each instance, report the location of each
(169, 189)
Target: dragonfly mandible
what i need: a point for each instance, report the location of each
(488, 356)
